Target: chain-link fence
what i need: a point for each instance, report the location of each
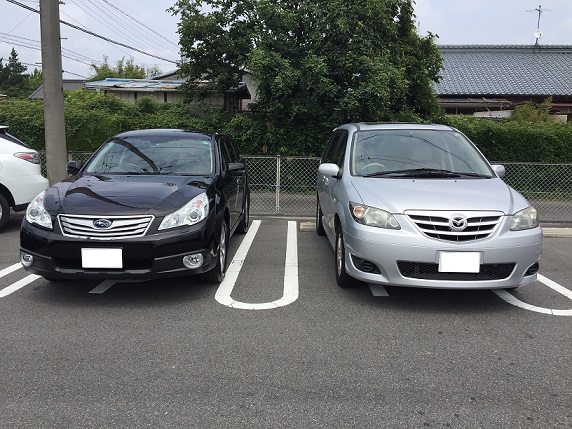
(286, 185)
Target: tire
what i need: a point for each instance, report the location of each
(319, 225)
(4, 211)
(216, 275)
(342, 277)
(244, 224)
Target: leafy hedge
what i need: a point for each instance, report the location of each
(92, 117)
(517, 141)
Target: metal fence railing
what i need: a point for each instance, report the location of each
(281, 185)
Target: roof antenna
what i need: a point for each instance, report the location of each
(538, 31)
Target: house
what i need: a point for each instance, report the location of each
(491, 80)
(69, 85)
(169, 91)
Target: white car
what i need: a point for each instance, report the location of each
(20, 175)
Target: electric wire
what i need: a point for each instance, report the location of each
(91, 33)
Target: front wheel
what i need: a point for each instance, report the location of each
(342, 277)
(216, 275)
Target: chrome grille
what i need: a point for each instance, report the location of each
(437, 224)
(121, 226)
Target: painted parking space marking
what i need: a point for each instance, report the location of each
(19, 284)
(10, 269)
(291, 289)
(511, 299)
(102, 287)
(377, 290)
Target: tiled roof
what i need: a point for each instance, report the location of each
(506, 70)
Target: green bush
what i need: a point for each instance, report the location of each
(92, 117)
(517, 141)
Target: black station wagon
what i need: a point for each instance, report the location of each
(148, 204)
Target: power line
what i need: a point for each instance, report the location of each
(140, 23)
(91, 33)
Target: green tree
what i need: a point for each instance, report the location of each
(34, 80)
(532, 112)
(13, 79)
(317, 63)
(123, 69)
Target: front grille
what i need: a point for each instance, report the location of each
(479, 225)
(121, 226)
(430, 271)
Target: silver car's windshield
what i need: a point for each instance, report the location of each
(416, 153)
(154, 155)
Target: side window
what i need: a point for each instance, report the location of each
(340, 150)
(226, 156)
(330, 152)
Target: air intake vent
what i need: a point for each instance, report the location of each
(104, 227)
(456, 226)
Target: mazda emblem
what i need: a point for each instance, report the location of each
(102, 223)
(458, 223)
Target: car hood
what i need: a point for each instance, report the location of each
(399, 195)
(123, 194)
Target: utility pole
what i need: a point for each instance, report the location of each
(55, 129)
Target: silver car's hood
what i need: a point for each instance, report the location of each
(399, 194)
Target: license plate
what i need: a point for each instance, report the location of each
(459, 262)
(101, 258)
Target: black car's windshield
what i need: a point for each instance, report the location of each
(154, 155)
(416, 153)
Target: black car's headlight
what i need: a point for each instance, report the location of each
(524, 219)
(372, 216)
(37, 213)
(193, 212)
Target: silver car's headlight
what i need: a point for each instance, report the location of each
(524, 219)
(372, 216)
(37, 213)
(193, 212)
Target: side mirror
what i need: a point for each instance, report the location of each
(329, 169)
(235, 168)
(499, 170)
(73, 167)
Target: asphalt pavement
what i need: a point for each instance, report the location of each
(280, 345)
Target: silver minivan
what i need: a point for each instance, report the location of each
(420, 206)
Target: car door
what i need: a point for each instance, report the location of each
(233, 180)
(334, 153)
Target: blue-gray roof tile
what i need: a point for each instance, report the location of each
(506, 70)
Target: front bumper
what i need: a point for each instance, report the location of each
(407, 257)
(153, 256)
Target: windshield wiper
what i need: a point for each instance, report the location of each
(415, 172)
(425, 172)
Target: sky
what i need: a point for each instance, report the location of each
(146, 26)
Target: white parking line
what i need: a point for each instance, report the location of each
(377, 290)
(19, 284)
(103, 286)
(290, 293)
(10, 269)
(511, 299)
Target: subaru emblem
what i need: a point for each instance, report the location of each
(102, 223)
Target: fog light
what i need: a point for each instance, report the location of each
(26, 259)
(193, 261)
(533, 269)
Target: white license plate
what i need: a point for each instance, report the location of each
(459, 262)
(101, 258)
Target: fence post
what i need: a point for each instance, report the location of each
(278, 184)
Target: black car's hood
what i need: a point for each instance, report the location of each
(123, 194)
